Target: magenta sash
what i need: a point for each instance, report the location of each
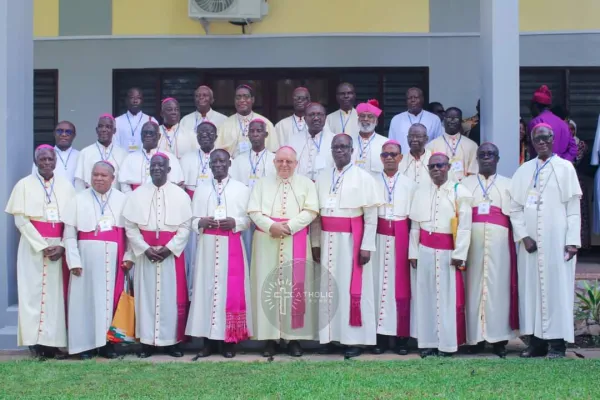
(399, 230)
(496, 217)
(355, 226)
(181, 284)
(55, 231)
(116, 235)
(135, 186)
(236, 328)
(445, 241)
(299, 240)
(190, 193)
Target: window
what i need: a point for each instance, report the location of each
(45, 106)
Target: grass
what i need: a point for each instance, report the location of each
(430, 378)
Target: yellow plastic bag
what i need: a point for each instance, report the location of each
(122, 329)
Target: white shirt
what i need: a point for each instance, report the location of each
(402, 122)
(191, 121)
(129, 130)
(66, 162)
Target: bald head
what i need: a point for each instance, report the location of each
(285, 162)
(203, 99)
(488, 156)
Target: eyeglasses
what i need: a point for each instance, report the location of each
(412, 136)
(389, 154)
(148, 133)
(487, 154)
(68, 132)
(243, 97)
(437, 165)
(300, 98)
(341, 147)
(452, 118)
(542, 138)
(286, 162)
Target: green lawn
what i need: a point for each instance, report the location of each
(465, 379)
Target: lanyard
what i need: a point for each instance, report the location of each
(174, 136)
(203, 164)
(452, 150)
(243, 128)
(255, 166)
(145, 156)
(410, 118)
(318, 146)
(219, 193)
(390, 189)
(538, 169)
(360, 147)
(138, 124)
(203, 119)
(103, 153)
(296, 123)
(487, 189)
(61, 159)
(333, 185)
(101, 204)
(48, 194)
(347, 120)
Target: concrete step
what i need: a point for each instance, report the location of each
(8, 337)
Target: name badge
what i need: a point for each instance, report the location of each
(319, 162)
(220, 212)
(252, 179)
(389, 211)
(52, 214)
(243, 146)
(331, 202)
(203, 177)
(105, 224)
(484, 208)
(360, 163)
(457, 165)
(132, 146)
(532, 198)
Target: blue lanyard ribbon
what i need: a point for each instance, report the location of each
(170, 141)
(487, 189)
(242, 129)
(318, 146)
(453, 150)
(65, 164)
(538, 169)
(102, 153)
(390, 190)
(48, 194)
(410, 118)
(137, 126)
(217, 192)
(254, 167)
(342, 120)
(203, 165)
(360, 148)
(333, 185)
(196, 123)
(101, 204)
(296, 123)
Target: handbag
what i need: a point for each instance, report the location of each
(122, 329)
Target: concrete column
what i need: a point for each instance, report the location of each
(16, 143)
(500, 79)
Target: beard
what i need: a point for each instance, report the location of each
(367, 127)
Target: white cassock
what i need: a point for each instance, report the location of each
(90, 156)
(344, 198)
(402, 122)
(159, 216)
(491, 301)
(217, 281)
(394, 279)
(440, 322)
(129, 130)
(94, 242)
(461, 151)
(66, 163)
(37, 208)
(595, 160)
(341, 121)
(248, 168)
(367, 152)
(190, 122)
(549, 214)
(135, 170)
(176, 140)
(233, 134)
(289, 127)
(416, 168)
(313, 154)
(273, 200)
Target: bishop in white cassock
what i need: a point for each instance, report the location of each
(203, 100)
(414, 163)
(461, 150)
(135, 170)
(66, 155)
(282, 206)
(220, 310)
(344, 120)
(439, 259)
(546, 219)
(367, 144)
(129, 125)
(157, 222)
(174, 139)
(37, 203)
(393, 275)
(102, 150)
(415, 114)
(348, 199)
(95, 250)
(492, 306)
(295, 124)
(313, 148)
(233, 134)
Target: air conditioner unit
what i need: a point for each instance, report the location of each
(229, 10)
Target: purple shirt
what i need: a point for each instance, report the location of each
(564, 143)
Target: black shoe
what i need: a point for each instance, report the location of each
(557, 349)
(427, 352)
(329, 348)
(207, 350)
(86, 355)
(401, 346)
(444, 354)
(350, 352)
(534, 351)
(174, 351)
(294, 349)
(108, 351)
(381, 346)
(476, 349)
(146, 351)
(499, 349)
(270, 349)
(228, 350)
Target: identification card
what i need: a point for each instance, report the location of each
(331, 201)
(532, 198)
(132, 146)
(105, 224)
(252, 179)
(220, 212)
(457, 165)
(483, 208)
(389, 211)
(243, 146)
(360, 162)
(52, 214)
(203, 177)
(319, 162)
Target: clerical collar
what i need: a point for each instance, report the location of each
(223, 181)
(347, 112)
(203, 115)
(130, 115)
(366, 138)
(285, 180)
(491, 176)
(456, 135)
(56, 148)
(151, 150)
(37, 173)
(391, 176)
(102, 196)
(106, 147)
(419, 156)
(343, 169)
